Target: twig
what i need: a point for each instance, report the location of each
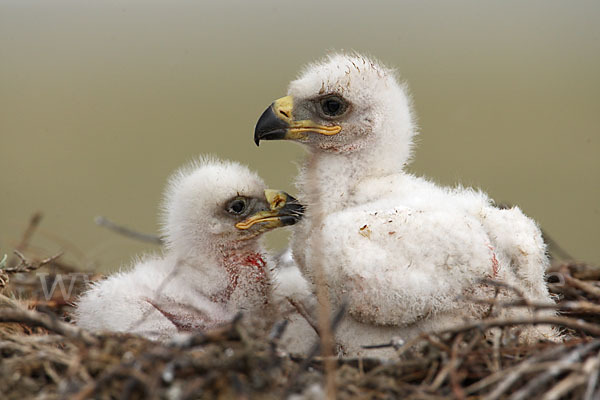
(122, 230)
(302, 311)
(575, 306)
(579, 284)
(28, 266)
(22, 266)
(571, 357)
(51, 323)
(567, 384)
(577, 270)
(275, 335)
(593, 381)
(455, 362)
(337, 318)
(124, 369)
(226, 332)
(396, 342)
(511, 375)
(481, 325)
(326, 335)
(532, 368)
(535, 320)
(505, 285)
(277, 330)
(34, 222)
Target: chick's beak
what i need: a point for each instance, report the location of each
(283, 210)
(277, 122)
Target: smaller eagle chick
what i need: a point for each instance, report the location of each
(214, 265)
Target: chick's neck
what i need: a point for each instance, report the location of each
(246, 270)
(333, 177)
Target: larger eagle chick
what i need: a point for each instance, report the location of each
(406, 254)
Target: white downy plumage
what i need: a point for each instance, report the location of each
(404, 253)
(214, 264)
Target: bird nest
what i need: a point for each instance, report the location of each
(44, 355)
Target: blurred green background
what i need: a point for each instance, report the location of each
(101, 100)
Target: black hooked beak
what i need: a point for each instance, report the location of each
(281, 210)
(292, 212)
(270, 127)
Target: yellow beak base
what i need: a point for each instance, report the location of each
(277, 122)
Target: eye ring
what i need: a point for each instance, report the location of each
(237, 206)
(332, 106)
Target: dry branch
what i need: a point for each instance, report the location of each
(128, 232)
(49, 322)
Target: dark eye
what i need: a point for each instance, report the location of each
(333, 106)
(237, 206)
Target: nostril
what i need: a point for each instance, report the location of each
(284, 113)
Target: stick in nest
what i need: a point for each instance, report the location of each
(566, 322)
(579, 284)
(34, 222)
(23, 266)
(46, 321)
(322, 292)
(28, 266)
(302, 311)
(143, 237)
(533, 386)
(337, 318)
